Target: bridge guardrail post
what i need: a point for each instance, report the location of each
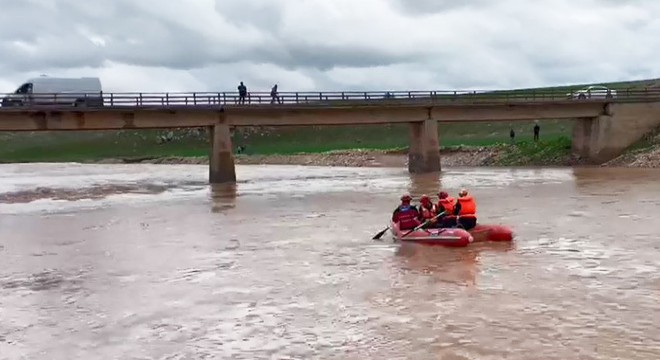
(297, 100)
(194, 98)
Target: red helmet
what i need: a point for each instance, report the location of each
(406, 197)
(424, 199)
(443, 195)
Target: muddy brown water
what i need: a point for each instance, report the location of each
(282, 265)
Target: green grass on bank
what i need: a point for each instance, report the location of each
(96, 145)
(617, 85)
(90, 146)
(556, 151)
(557, 91)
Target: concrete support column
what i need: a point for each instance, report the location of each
(582, 136)
(221, 159)
(424, 153)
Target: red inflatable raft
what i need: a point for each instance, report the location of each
(483, 233)
(454, 237)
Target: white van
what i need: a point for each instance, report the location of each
(45, 90)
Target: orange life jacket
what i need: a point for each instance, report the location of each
(447, 204)
(468, 206)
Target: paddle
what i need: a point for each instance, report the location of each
(380, 234)
(423, 224)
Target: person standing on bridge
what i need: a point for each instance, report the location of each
(274, 96)
(242, 93)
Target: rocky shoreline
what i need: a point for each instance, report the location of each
(454, 157)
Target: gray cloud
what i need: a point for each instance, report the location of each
(154, 45)
(424, 7)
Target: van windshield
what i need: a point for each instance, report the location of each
(24, 89)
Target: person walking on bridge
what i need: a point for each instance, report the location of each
(242, 93)
(274, 96)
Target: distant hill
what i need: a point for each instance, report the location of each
(619, 85)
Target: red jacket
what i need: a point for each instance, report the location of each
(426, 213)
(406, 216)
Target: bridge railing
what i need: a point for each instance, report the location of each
(215, 99)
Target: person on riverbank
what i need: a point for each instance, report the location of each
(466, 210)
(448, 204)
(406, 215)
(242, 93)
(537, 129)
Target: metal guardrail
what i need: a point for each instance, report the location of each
(211, 99)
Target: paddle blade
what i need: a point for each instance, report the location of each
(380, 234)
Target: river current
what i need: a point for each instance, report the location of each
(150, 262)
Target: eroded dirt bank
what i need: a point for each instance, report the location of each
(477, 156)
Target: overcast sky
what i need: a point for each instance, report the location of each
(308, 45)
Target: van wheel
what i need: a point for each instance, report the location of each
(582, 96)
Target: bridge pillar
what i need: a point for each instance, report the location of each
(582, 136)
(221, 159)
(424, 153)
(605, 137)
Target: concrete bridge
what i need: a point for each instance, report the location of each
(605, 125)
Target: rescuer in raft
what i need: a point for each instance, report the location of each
(427, 211)
(466, 210)
(448, 204)
(406, 215)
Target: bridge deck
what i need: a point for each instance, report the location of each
(45, 112)
(206, 99)
(136, 118)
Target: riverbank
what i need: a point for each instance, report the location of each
(383, 145)
(549, 153)
(463, 145)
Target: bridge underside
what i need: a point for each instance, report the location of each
(601, 132)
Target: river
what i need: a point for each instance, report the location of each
(150, 262)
